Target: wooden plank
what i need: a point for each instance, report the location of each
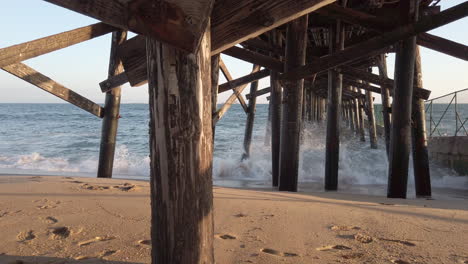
(373, 47)
(243, 80)
(250, 121)
(382, 24)
(387, 82)
(258, 93)
(236, 92)
(255, 58)
(179, 23)
(181, 153)
(228, 77)
(113, 82)
(110, 121)
(35, 78)
(263, 45)
(237, 21)
(291, 121)
(38, 47)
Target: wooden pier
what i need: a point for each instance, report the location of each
(320, 55)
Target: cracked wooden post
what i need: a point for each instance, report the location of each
(110, 120)
(385, 95)
(422, 176)
(250, 120)
(181, 152)
(400, 139)
(335, 82)
(296, 46)
(275, 111)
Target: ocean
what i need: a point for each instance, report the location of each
(61, 139)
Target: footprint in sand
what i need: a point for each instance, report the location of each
(146, 242)
(362, 238)
(399, 261)
(278, 253)
(402, 242)
(107, 253)
(50, 220)
(333, 247)
(352, 255)
(125, 187)
(343, 228)
(226, 237)
(87, 186)
(240, 215)
(60, 232)
(96, 239)
(25, 236)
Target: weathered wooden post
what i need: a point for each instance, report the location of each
(422, 176)
(385, 95)
(296, 46)
(275, 111)
(250, 119)
(362, 130)
(356, 111)
(181, 152)
(110, 122)
(352, 115)
(214, 87)
(400, 140)
(371, 120)
(335, 82)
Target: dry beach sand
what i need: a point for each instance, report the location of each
(85, 220)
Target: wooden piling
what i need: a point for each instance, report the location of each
(362, 130)
(181, 152)
(335, 82)
(422, 176)
(275, 111)
(110, 120)
(250, 120)
(400, 140)
(371, 120)
(214, 87)
(385, 95)
(296, 46)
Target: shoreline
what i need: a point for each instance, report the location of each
(50, 219)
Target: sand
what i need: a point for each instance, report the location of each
(84, 220)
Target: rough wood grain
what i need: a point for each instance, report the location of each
(255, 58)
(177, 22)
(38, 47)
(240, 20)
(181, 153)
(373, 47)
(33, 77)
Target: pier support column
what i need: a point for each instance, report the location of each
(371, 120)
(181, 152)
(214, 87)
(250, 120)
(110, 122)
(275, 112)
(385, 95)
(335, 82)
(400, 139)
(422, 176)
(296, 45)
(362, 130)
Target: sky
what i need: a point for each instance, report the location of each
(81, 67)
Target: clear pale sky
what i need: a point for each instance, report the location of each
(81, 67)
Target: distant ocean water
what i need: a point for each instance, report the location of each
(62, 139)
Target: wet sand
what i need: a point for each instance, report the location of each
(57, 219)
